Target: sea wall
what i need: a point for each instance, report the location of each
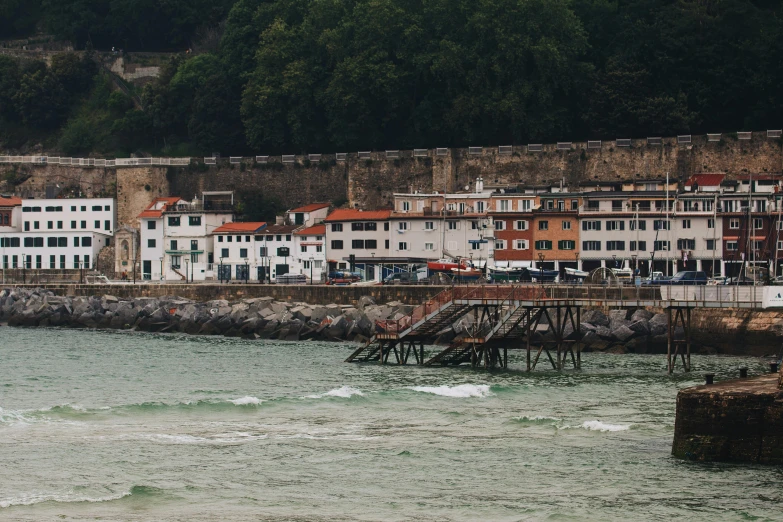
(371, 182)
(732, 421)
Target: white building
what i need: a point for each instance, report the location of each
(276, 247)
(52, 251)
(309, 252)
(364, 234)
(83, 215)
(308, 215)
(238, 251)
(151, 243)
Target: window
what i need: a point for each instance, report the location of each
(386, 244)
(239, 239)
(550, 204)
(371, 226)
(615, 225)
(84, 208)
(543, 225)
(521, 244)
(504, 205)
(38, 261)
(758, 223)
(500, 225)
(318, 248)
(62, 241)
(76, 241)
(429, 225)
(524, 205)
(52, 262)
(386, 226)
(194, 221)
(758, 245)
(220, 239)
(711, 244)
(661, 224)
(710, 223)
(642, 246)
(500, 244)
(661, 245)
(370, 243)
(337, 244)
(731, 245)
(734, 223)
(98, 224)
(615, 245)
(28, 242)
(617, 205)
(566, 225)
(480, 207)
(38, 242)
(97, 208)
(780, 247)
(543, 244)
(86, 241)
(36, 225)
(453, 225)
(151, 243)
(336, 227)
(566, 244)
(686, 244)
(520, 224)
(76, 261)
(474, 225)
(574, 204)
(591, 225)
(402, 245)
(641, 224)
(224, 252)
(357, 226)
(73, 208)
(686, 223)
(229, 239)
(475, 245)
(173, 244)
(303, 248)
(173, 221)
(50, 225)
(593, 205)
(402, 225)
(429, 246)
(262, 251)
(591, 245)
(761, 206)
(243, 253)
(194, 244)
(357, 243)
(107, 208)
(406, 206)
(51, 242)
(73, 224)
(84, 224)
(176, 262)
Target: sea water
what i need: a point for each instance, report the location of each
(129, 426)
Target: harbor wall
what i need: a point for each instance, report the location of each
(732, 421)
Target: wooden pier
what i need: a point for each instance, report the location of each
(536, 319)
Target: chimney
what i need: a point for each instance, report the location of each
(279, 220)
(479, 185)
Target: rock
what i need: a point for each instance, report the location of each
(659, 319)
(600, 345)
(641, 314)
(365, 301)
(641, 327)
(618, 315)
(603, 332)
(594, 317)
(623, 333)
(617, 348)
(590, 338)
(636, 345)
(587, 327)
(110, 299)
(318, 314)
(657, 329)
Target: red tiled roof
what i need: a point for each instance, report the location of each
(347, 214)
(312, 207)
(150, 212)
(13, 201)
(705, 180)
(280, 229)
(315, 230)
(251, 226)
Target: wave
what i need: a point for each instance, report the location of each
(596, 425)
(536, 419)
(38, 498)
(460, 391)
(246, 401)
(344, 392)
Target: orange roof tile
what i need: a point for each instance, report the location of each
(13, 201)
(347, 214)
(251, 226)
(150, 212)
(705, 180)
(312, 207)
(315, 230)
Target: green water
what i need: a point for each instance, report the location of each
(124, 426)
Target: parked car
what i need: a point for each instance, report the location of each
(401, 278)
(655, 279)
(686, 277)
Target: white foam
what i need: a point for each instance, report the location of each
(461, 391)
(174, 439)
(596, 425)
(343, 391)
(537, 418)
(246, 401)
(37, 498)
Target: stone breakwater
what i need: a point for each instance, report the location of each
(619, 331)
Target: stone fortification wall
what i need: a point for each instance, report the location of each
(371, 182)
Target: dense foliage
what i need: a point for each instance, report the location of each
(324, 75)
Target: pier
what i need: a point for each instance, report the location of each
(540, 320)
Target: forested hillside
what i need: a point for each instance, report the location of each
(323, 75)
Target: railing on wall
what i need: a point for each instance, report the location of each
(96, 162)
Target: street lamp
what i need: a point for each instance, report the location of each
(247, 270)
(220, 270)
(374, 267)
(161, 269)
(312, 260)
(541, 266)
(614, 260)
(187, 268)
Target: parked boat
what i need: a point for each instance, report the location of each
(445, 265)
(465, 274)
(572, 274)
(540, 275)
(506, 274)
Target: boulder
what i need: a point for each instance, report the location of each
(595, 317)
(618, 315)
(590, 338)
(603, 332)
(641, 314)
(641, 327)
(623, 333)
(587, 327)
(659, 319)
(365, 301)
(636, 345)
(657, 329)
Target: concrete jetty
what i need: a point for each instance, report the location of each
(732, 421)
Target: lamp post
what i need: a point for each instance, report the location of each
(187, 269)
(614, 260)
(247, 270)
(541, 266)
(24, 268)
(373, 264)
(312, 260)
(161, 269)
(220, 270)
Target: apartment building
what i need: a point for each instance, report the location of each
(310, 252)
(10, 213)
(365, 234)
(511, 216)
(276, 247)
(308, 215)
(150, 239)
(237, 251)
(556, 231)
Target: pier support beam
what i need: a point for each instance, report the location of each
(678, 317)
